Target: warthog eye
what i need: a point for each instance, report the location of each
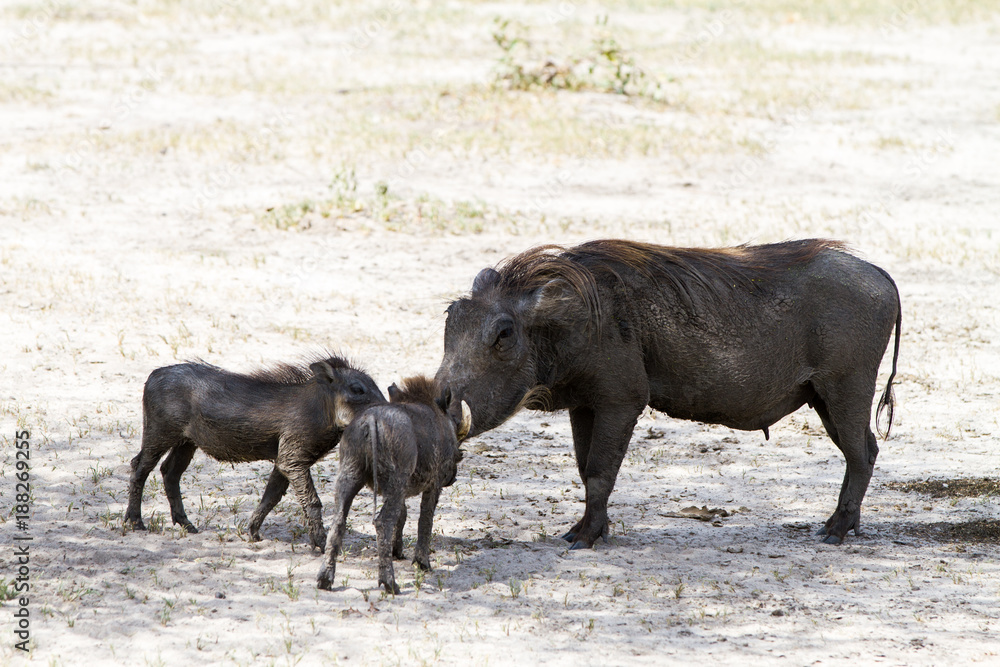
(503, 336)
(357, 388)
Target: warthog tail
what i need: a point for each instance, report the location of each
(371, 426)
(887, 404)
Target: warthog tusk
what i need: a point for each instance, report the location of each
(466, 425)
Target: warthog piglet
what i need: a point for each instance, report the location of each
(291, 415)
(409, 446)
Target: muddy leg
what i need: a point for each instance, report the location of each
(425, 526)
(277, 484)
(349, 483)
(385, 525)
(173, 467)
(582, 423)
(845, 414)
(397, 541)
(611, 433)
(154, 445)
(296, 469)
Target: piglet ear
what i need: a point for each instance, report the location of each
(322, 371)
(393, 391)
(487, 278)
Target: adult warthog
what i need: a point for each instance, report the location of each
(288, 414)
(736, 336)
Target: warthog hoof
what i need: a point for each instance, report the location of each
(423, 565)
(317, 540)
(135, 524)
(844, 520)
(189, 527)
(576, 536)
(324, 581)
(390, 586)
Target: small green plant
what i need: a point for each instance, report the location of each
(605, 68)
(488, 573)
(7, 591)
(288, 216)
(156, 522)
(289, 588)
(344, 186)
(164, 614)
(97, 473)
(73, 592)
(515, 587)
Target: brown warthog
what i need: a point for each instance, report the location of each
(291, 415)
(407, 447)
(736, 336)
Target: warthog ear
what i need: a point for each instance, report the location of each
(444, 400)
(465, 426)
(393, 391)
(555, 302)
(322, 371)
(487, 278)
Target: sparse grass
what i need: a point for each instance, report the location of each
(876, 14)
(382, 209)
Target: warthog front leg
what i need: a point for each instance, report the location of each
(277, 484)
(156, 441)
(296, 469)
(425, 526)
(610, 430)
(349, 483)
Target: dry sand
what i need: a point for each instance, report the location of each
(249, 184)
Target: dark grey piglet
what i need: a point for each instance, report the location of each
(406, 447)
(288, 414)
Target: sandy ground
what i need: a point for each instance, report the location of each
(250, 184)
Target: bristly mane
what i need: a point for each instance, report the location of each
(296, 373)
(417, 389)
(714, 270)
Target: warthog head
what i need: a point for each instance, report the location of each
(352, 390)
(493, 337)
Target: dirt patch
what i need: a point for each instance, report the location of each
(980, 531)
(951, 488)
